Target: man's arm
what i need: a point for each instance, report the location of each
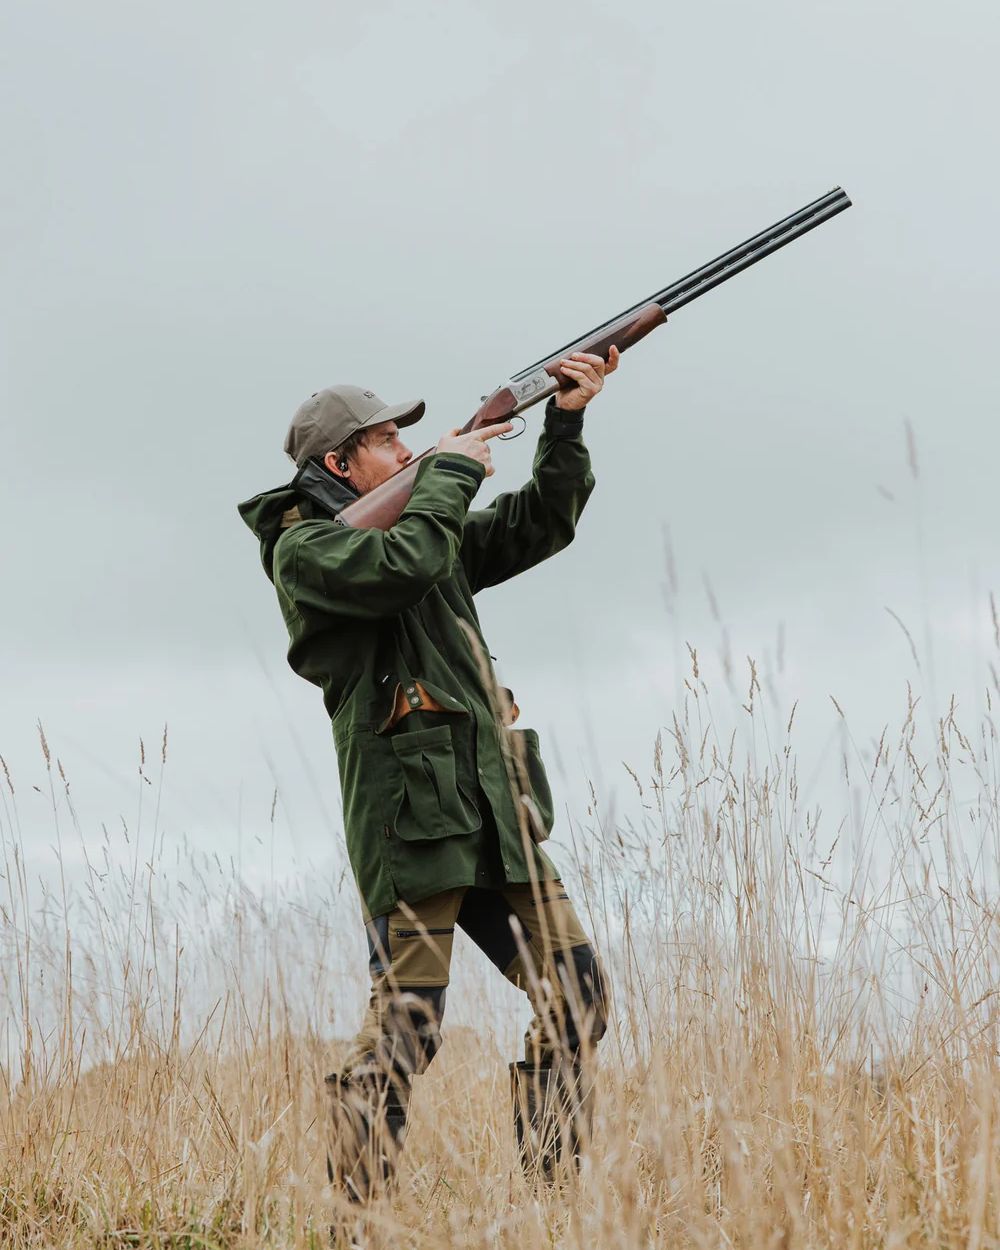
(370, 574)
(522, 528)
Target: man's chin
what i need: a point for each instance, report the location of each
(372, 483)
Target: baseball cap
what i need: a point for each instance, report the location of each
(330, 416)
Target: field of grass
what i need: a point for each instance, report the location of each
(804, 1050)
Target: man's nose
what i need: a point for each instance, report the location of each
(404, 454)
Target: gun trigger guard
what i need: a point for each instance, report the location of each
(509, 438)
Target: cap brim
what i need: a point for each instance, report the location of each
(402, 414)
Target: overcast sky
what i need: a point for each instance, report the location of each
(210, 211)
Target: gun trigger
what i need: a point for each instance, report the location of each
(509, 438)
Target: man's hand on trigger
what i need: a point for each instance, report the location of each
(588, 372)
(474, 445)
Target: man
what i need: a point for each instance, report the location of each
(444, 801)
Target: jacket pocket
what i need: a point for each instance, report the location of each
(531, 785)
(433, 805)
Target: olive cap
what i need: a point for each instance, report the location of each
(328, 418)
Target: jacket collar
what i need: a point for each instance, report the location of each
(328, 493)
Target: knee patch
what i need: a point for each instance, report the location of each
(411, 1030)
(587, 993)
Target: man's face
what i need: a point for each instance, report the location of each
(378, 458)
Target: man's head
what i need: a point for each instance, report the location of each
(353, 434)
(369, 456)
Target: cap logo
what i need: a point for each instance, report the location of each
(368, 394)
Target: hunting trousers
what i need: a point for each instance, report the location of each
(530, 932)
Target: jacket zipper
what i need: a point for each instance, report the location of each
(407, 933)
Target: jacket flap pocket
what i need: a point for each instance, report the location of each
(421, 739)
(432, 804)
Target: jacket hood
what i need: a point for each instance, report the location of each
(315, 492)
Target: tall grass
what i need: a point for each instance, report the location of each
(803, 1050)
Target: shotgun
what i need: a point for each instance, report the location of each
(380, 508)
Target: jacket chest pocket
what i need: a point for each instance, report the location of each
(433, 805)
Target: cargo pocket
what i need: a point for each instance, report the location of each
(433, 806)
(530, 782)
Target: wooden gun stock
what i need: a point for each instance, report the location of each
(381, 508)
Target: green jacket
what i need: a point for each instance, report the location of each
(385, 623)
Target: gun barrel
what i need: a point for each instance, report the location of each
(747, 254)
(744, 258)
(789, 228)
(719, 270)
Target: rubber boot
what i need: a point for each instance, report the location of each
(553, 1116)
(367, 1127)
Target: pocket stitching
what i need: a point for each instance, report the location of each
(419, 738)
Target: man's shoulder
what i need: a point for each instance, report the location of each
(304, 536)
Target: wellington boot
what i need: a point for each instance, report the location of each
(366, 1130)
(553, 1115)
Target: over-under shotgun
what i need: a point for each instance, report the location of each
(380, 508)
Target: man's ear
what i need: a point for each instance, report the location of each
(337, 465)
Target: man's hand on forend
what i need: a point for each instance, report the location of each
(588, 372)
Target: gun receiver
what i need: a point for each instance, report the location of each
(380, 508)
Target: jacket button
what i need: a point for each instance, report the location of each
(415, 701)
(410, 689)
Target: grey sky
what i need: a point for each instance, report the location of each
(211, 211)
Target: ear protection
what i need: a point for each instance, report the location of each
(342, 465)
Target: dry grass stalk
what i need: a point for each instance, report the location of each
(804, 1051)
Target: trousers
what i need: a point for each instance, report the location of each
(530, 932)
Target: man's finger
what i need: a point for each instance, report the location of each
(588, 358)
(584, 372)
(586, 365)
(491, 431)
(581, 371)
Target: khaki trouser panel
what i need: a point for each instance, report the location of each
(548, 919)
(408, 978)
(420, 938)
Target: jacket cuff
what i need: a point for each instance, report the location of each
(464, 466)
(560, 424)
